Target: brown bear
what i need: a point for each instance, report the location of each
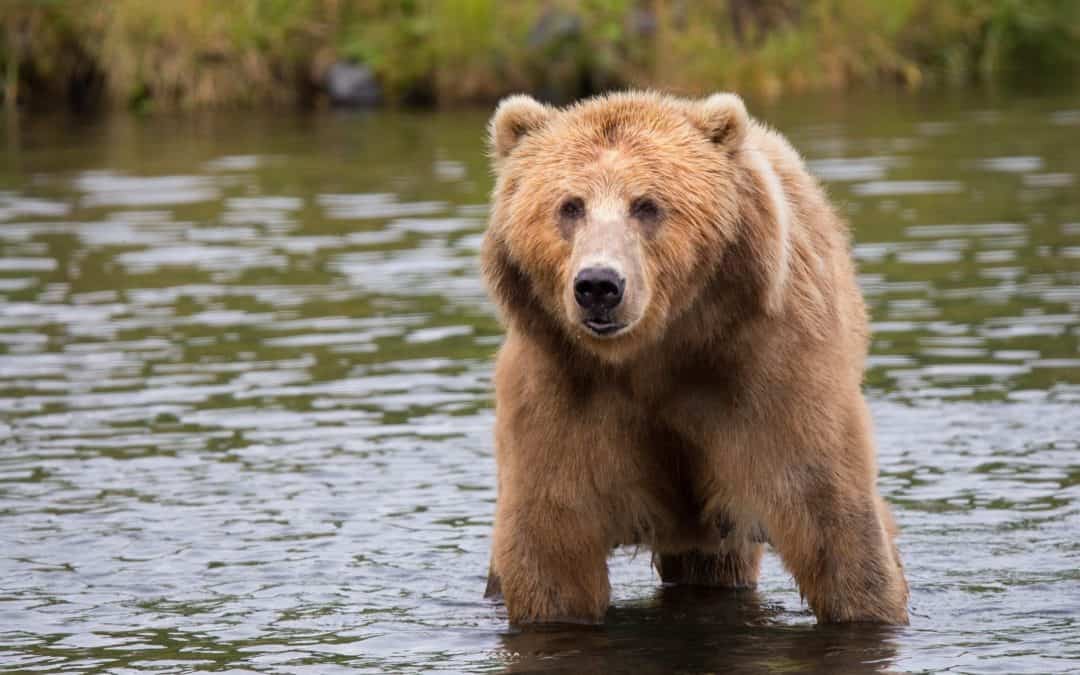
(683, 361)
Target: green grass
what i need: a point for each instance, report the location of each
(150, 54)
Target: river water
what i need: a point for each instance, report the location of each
(245, 406)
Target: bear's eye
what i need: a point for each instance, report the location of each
(572, 208)
(645, 209)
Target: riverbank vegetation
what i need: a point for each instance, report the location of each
(188, 54)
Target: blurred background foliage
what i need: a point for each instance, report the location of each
(167, 54)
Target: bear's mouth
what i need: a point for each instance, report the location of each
(603, 328)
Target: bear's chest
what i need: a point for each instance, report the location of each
(672, 389)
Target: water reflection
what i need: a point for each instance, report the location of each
(695, 630)
(245, 401)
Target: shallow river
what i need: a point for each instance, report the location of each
(245, 401)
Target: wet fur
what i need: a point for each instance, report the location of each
(732, 414)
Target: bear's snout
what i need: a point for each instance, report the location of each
(598, 291)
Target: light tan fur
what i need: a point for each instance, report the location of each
(727, 413)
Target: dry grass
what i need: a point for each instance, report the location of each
(207, 53)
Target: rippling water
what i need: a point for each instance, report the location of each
(245, 400)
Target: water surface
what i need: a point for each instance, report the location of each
(245, 402)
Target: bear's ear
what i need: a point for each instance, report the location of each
(722, 118)
(516, 117)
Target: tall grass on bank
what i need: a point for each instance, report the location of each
(187, 54)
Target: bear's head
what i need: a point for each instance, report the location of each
(610, 219)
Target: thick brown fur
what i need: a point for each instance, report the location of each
(727, 413)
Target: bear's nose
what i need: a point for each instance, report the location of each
(598, 288)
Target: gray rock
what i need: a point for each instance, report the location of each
(352, 85)
(553, 28)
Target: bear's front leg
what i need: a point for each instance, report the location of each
(562, 453)
(551, 562)
(833, 534)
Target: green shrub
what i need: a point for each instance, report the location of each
(206, 53)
